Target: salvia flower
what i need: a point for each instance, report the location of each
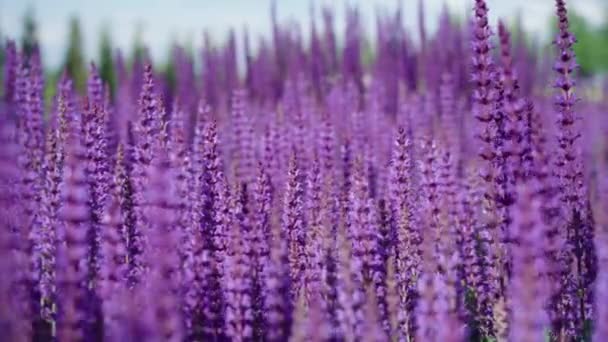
(74, 313)
(332, 192)
(528, 286)
(163, 276)
(15, 311)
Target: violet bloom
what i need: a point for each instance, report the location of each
(242, 137)
(95, 92)
(209, 219)
(162, 286)
(485, 97)
(314, 235)
(261, 236)
(98, 170)
(293, 225)
(132, 234)
(30, 137)
(364, 231)
(450, 260)
(147, 128)
(393, 301)
(601, 245)
(528, 286)
(372, 322)
(568, 162)
(15, 313)
(217, 195)
(310, 323)
(514, 108)
(277, 301)
(351, 296)
(570, 171)
(238, 268)
(433, 318)
(450, 116)
(113, 268)
(407, 247)
(72, 267)
(557, 253)
(180, 157)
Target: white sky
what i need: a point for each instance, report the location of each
(185, 20)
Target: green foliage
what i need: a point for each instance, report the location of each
(74, 61)
(106, 61)
(139, 48)
(592, 46)
(29, 40)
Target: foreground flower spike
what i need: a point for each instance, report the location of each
(213, 183)
(293, 225)
(30, 137)
(239, 269)
(351, 296)
(393, 301)
(529, 286)
(242, 138)
(570, 172)
(557, 253)
(146, 130)
(98, 170)
(261, 236)
(314, 235)
(484, 97)
(514, 107)
(95, 88)
(15, 311)
(132, 234)
(601, 244)
(277, 301)
(163, 277)
(407, 248)
(565, 66)
(210, 219)
(434, 321)
(113, 269)
(364, 231)
(75, 219)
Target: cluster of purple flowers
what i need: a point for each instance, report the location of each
(436, 192)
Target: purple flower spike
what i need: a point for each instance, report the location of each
(569, 169)
(528, 286)
(99, 177)
(514, 107)
(277, 301)
(365, 233)
(95, 92)
(238, 271)
(15, 313)
(407, 248)
(293, 225)
(113, 269)
(351, 297)
(132, 233)
(162, 284)
(75, 220)
(601, 245)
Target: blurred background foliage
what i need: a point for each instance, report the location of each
(592, 46)
(591, 50)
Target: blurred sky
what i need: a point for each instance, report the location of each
(161, 21)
